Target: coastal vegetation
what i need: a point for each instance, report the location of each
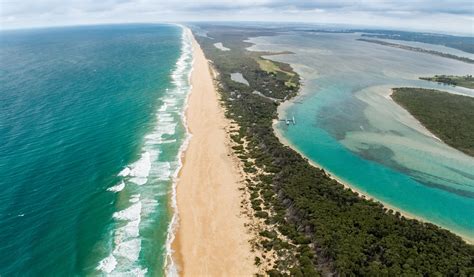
(308, 223)
(448, 116)
(463, 43)
(272, 68)
(461, 81)
(418, 49)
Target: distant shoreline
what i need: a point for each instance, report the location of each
(418, 49)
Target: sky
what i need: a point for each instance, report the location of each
(448, 16)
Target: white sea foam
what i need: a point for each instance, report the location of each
(119, 187)
(134, 198)
(130, 213)
(153, 137)
(125, 172)
(167, 141)
(170, 265)
(139, 180)
(163, 107)
(165, 117)
(152, 174)
(126, 238)
(156, 138)
(136, 272)
(170, 102)
(108, 264)
(149, 206)
(129, 249)
(130, 230)
(141, 169)
(162, 171)
(167, 129)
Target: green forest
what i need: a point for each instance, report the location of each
(461, 81)
(327, 228)
(448, 116)
(463, 43)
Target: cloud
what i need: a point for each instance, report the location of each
(426, 6)
(443, 15)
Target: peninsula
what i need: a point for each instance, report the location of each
(418, 49)
(446, 115)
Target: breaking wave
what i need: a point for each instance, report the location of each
(152, 175)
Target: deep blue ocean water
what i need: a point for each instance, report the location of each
(90, 134)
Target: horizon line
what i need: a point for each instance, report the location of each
(336, 25)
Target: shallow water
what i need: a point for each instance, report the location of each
(221, 47)
(434, 47)
(348, 124)
(239, 78)
(91, 130)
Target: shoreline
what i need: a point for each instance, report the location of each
(340, 180)
(210, 237)
(282, 109)
(426, 130)
(169, 266)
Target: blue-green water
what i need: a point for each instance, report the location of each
(90, 130)
(347, 123)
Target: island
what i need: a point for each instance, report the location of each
(461, 81)
(448, 116)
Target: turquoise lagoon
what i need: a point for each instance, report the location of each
(349, 125)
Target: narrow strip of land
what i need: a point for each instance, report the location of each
(418, 49)
(460, 81)
(211, 239)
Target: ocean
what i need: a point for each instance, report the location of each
(91, 131)
(348, 124)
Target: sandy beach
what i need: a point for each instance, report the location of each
(211, 239)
